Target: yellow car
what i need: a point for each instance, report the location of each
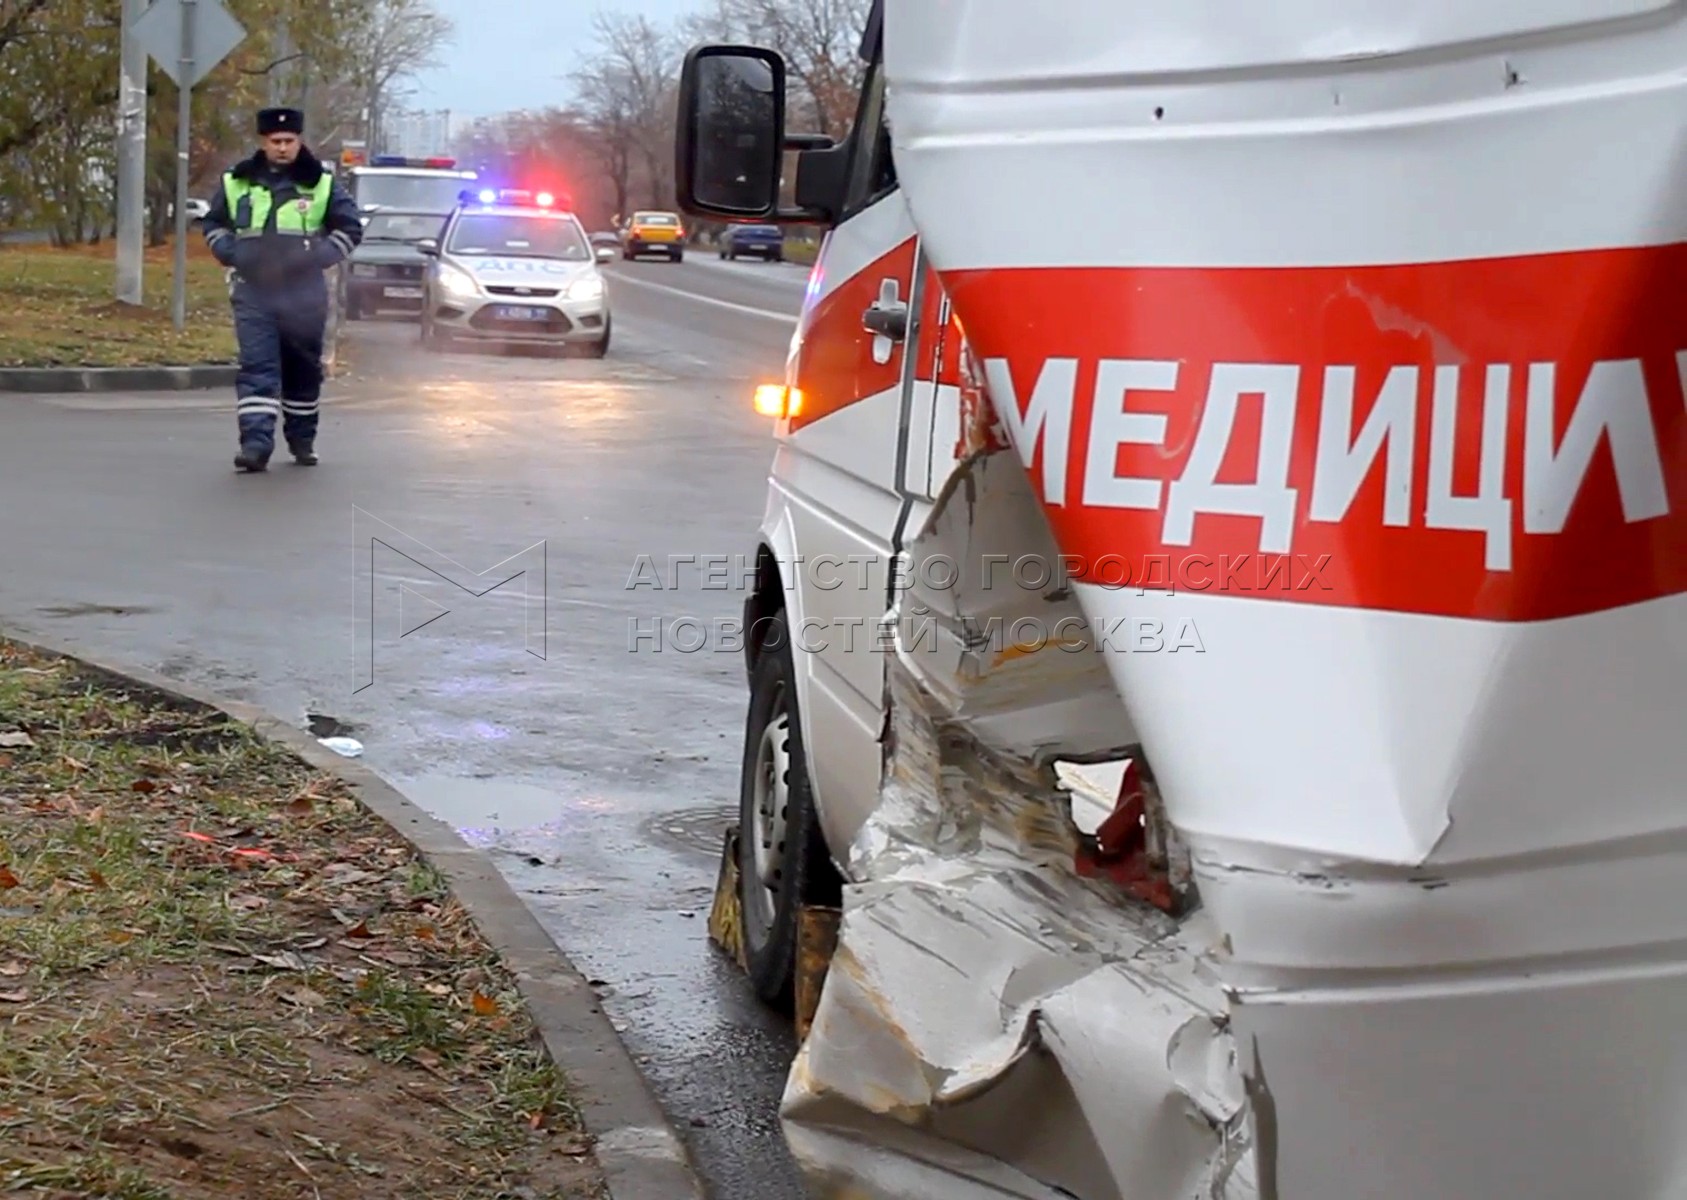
(654, 233)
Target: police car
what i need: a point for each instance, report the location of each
(391, 182)
(514, 267)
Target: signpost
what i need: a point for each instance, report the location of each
(187, 38)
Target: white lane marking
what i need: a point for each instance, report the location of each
(782, 275)
(766, 313)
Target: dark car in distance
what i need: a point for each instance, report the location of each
(385, 271)
(761, 241)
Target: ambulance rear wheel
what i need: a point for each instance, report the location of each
(782, 859)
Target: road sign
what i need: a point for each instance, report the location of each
(214, 32)
(187, 38)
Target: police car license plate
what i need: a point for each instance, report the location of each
(404, 293)
(518, 312)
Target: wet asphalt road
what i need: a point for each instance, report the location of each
(601, 769)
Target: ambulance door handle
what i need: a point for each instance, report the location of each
(888, 316)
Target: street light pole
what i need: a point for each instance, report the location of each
(280, 75)
(131, 157)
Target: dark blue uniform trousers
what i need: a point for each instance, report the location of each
(280, 331)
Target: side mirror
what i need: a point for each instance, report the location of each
(730, 142)
(429, 247)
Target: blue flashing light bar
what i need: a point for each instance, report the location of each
(517, 197)
(399, 160)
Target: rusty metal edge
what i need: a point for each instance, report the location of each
(726, 917)
(817, 941)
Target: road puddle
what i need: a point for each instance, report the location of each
(489, 813)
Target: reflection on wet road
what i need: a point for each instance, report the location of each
(600, 771)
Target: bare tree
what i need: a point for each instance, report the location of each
(394, 40)
(820, 41)
(627, 94)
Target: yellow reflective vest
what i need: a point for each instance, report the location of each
(302, 217)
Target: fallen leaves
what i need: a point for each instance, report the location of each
(213, 885)
(16, 739)
(575, 1145)
(285, 961)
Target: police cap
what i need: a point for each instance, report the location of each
(280, 120)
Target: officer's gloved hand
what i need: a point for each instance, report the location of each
(242, 256)
(325, 255)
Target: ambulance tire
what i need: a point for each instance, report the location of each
(807, 873)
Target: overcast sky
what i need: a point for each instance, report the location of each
(511, 54)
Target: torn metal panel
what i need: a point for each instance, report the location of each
(989, 625)
(995, 1026)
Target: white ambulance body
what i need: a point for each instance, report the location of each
(1332, 356)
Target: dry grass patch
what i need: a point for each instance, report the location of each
(221, 977)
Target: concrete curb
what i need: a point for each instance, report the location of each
(639, 1150)
(40, 380)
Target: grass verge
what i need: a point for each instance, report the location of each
(57, 310)
(801, 250)
(221, 977)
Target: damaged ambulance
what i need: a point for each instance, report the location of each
(1281, 405)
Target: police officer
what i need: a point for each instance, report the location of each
(280, 222)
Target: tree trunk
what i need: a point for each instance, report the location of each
(620, 177)
(158, 223)
(653, 178)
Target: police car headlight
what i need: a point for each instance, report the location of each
(456, 283)
(589, 288)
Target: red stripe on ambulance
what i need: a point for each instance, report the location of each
(835, 363)
(1503, 439)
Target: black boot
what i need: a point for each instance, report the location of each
(304, 452)
(251, 459)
